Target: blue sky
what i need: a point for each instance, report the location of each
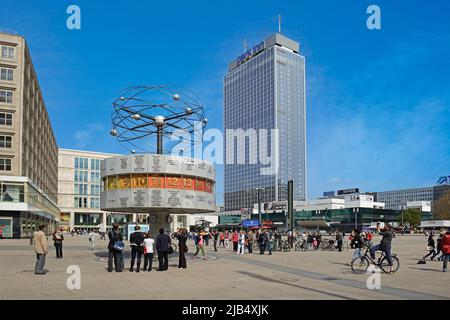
(378, 102)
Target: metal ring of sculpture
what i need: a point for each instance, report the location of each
(143, 111)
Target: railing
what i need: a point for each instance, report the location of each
(7, 31)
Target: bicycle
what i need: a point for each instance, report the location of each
(362, 263)
(285, 246)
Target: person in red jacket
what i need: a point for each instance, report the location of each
(445, 248)
(235, 240)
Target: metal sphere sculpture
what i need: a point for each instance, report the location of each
(143, 111)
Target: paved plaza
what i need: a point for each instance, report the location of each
(224, 275)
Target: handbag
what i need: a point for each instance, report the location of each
(118, 244)
(170, 250)
(186, 249)
(430, 248)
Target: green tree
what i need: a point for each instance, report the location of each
(441, 208)
(411, 216)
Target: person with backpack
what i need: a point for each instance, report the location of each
(115, 249)
(430, 247)
(137, 247)
(445, 247)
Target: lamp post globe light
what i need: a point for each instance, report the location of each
(150, 180)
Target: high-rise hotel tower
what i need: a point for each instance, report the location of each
(264, 88)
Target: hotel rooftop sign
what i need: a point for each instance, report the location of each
(250, 53)
(274, 39)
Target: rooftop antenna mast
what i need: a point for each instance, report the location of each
(279, 23)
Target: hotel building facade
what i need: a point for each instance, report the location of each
(265, 89)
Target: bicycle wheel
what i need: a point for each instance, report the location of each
(384, 265)
(360, 265)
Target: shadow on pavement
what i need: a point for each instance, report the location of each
(259, 277)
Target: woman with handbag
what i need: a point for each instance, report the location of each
(115, 249)
(182, 237)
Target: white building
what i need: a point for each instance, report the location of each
(79, 187)
(330, 203)
(424, 206)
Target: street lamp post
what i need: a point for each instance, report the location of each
(259, 205)
(317, 214)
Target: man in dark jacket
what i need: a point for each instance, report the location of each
(339, 240)
(137, 247)
(114, 235)
(262, 242)
(163, 242)
(385, 245)
(215, 236)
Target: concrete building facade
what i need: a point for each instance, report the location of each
(28, 149)
(79, 186)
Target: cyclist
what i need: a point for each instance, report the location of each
(385, 245)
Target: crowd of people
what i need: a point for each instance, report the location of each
(143, 245)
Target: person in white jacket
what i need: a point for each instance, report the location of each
(241, 243)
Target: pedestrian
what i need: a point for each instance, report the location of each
(269, 241)
(92, 237)
(339, 240)
(215, 236)
(227, 239)
(41, 249)
(196, 238)
(438, 246)
(261, 242)
(182, 237)
(58, 238)
(445, 247)
(356, 243)
(235, 240)
(137, 248)
(148, 252)
(115, 249)
(241, 243)
(163, 242)
(200, 247)
(206, 238)
(430, 247)
(250, 239)
(222, 240)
